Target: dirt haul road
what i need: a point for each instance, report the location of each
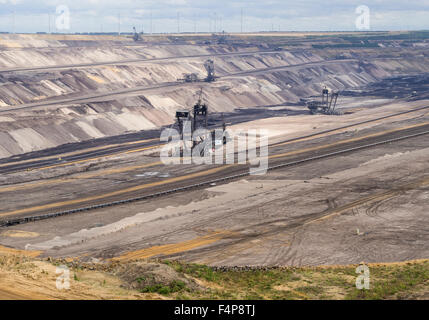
(343, 201)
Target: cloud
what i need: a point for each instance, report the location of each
(12, 2)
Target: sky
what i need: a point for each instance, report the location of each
(169, 16)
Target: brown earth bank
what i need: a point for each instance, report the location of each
(23, 277)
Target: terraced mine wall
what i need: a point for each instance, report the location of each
(246, 81)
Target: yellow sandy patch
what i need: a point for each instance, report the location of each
(19, 234)
(11, 44)
(287, 288)
(96, 78)
(40, 98)
(27, 253)
(175, 247)
(21, 278)
(332, 292)
(113, 69)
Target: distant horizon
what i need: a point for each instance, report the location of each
(205, 16)
(208, 33)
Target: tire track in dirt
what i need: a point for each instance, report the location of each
(242, 242)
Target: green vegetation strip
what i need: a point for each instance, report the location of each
(408, 280)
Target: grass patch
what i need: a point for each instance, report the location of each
(392, 281)
(172, 287)
(389, 281)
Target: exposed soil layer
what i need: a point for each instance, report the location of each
(84, 103)
(369, 205)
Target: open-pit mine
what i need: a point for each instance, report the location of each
(345, 117)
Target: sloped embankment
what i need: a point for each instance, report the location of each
(247, 81)
(25, 277)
